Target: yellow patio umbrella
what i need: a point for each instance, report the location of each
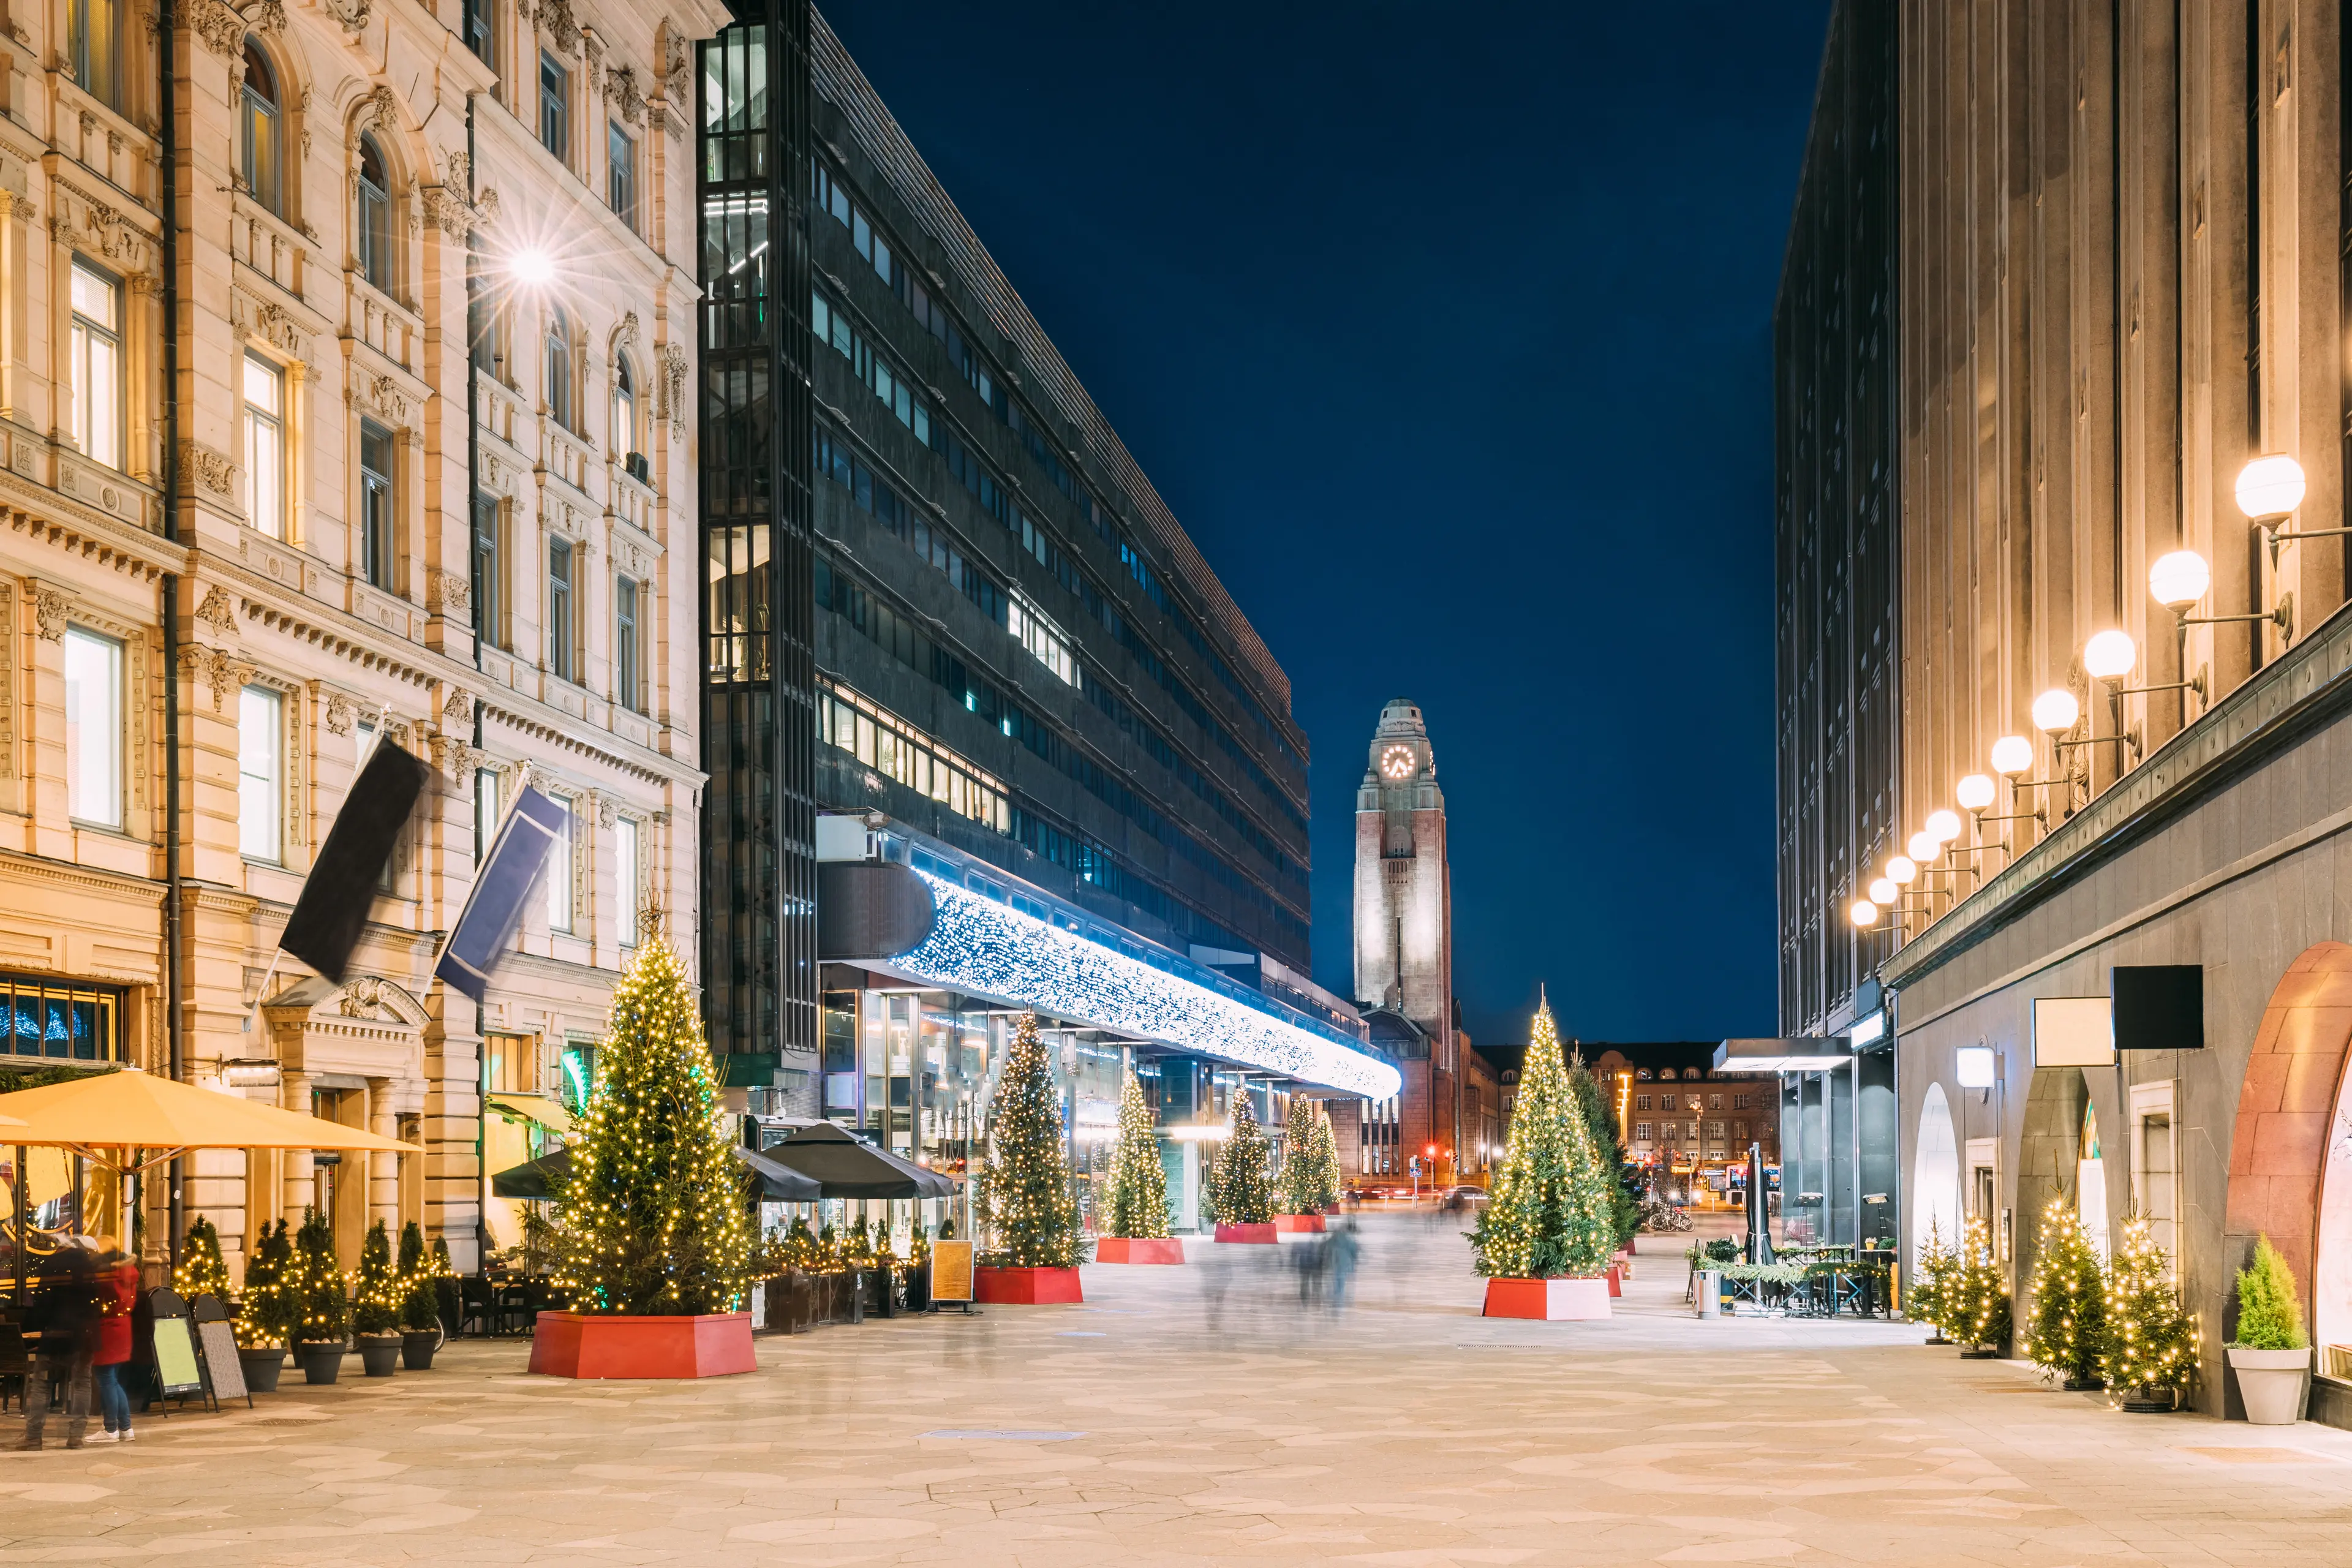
(134, 1110)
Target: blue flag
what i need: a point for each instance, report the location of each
(502, 889)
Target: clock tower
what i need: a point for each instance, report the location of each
(1404, 944)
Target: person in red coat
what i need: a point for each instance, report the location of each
(118, 1293)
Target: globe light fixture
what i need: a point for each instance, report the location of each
(1944, 824)
(2270, 486)
(1901, 869)
(1925, 847)
(2179, 579)
(2109, 656)
(2055, 711)
(1885, 891)
(2013, 755)
(1974, 792)
(1863, 912)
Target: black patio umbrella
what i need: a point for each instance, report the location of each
(848, 1167)
(541, 1177)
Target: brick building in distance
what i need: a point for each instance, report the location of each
(1677, 1114)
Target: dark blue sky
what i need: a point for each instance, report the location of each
(1445, 331)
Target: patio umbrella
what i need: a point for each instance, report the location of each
(135, 1109)
(10, 1122)
(539, 1179)
(849, 1167)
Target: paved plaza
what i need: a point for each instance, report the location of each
(1201, 1414)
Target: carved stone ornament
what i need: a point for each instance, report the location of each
(217, 25)
(378, 109)
(216, 670)
(674, 64)
(604, 811)
(266, 16)
(363, 998)
(456, 758)
(459, 709)
(446, 591)
(351, 14)
(268, 321)
(339, 714)
(217, 613)
(555, 21)
(674, 367)
(384, 394)
(624, 336)
(209, 470)
(621, 92)
(447, 207)
(49, 609)
(101, 229)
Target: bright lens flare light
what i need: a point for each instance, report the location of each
(1943, 826)
(2270, 486)
(1902, 868)
(2179, 579)
(533, 266)
(1863, 912)
(2013, 755)
(2110, 656)
(1885, 891)
(1974, 792)
(2055, 711)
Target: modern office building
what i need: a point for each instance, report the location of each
(985, 731)
(2108, 915)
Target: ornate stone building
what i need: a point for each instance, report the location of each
(257, 516)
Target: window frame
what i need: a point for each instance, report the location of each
(479, 31)
(623, 413)
(621, 173)
(80, 56)
(562, 871)
(261, 126)
(628, 649)
(269, 423)
(555, 107)
(260, 796)
(628, 877)
(563, 608)
(556, 366)
(86, 336)
(485, 556)
(379, 519)
(86, 739)
(373, 244)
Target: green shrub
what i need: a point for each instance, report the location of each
(2269, 1315)
(420, 1303)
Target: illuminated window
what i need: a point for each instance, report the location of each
(379, 529)
(264, 132)
(372, 224)
(260, 761)
(621, 173)
(264, 446)
(560, 645)
(94, 44)
(554, 105)
(93, 728)
(96, 365)
(559, 404)
(559, 875)
(628, 891)
(1043, 639)
(627, 640)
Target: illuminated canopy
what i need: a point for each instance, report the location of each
(980, 946)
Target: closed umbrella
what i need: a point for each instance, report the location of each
(848, 1167)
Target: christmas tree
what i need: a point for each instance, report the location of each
(802, 1250)
(265, 1313)
(1034, 1212)
(653, 1220)
(1246, 1191)
(2066, 1322)
(1550, 1213)
(420, 1302)
(2151, 1343)
(1930, 1301)
(377, 1308)
(1978, 1317)
(1311, 1165)
(2270, 1313)
(442, 1267)
(201, 1271)
(1600, 1125)
(315, 1286)
(1138, 1205)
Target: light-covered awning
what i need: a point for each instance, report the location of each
(1801, 1053)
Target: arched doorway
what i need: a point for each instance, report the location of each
(2290, 1166)
(1935, 1174)
(2051, 1156)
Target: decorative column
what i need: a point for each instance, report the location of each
(301, 1188)
(384, 1167)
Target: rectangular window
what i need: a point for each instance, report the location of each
(485, 810)
(554, 89)
(97, 368)
(489, 573)
(628, 891)
(377, 518)
(260, 749)
(1042, 637)
(626, 675)
(1641, 1131)
(94, 44)
(480, 37)
(559, 872)
(1738, 1102)
(93, 728)
(264, 446)
(559, 608)
(1640, 1102)
(621, 173)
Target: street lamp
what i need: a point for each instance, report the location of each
(531, 267)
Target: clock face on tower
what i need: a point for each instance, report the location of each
(1397, 762)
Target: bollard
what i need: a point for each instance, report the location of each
(1710, 1293)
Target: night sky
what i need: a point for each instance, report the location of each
(1447, 332)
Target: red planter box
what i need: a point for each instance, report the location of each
(1029, 1287)
(1553, 1301)
(1616, 1281)
(1298, 1224)
(1260, 1234)
(1138, 1249)
(578, 1344)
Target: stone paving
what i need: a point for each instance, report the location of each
(1201, 1415)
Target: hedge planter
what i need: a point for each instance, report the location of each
(601, 1345)
(1298, 1224)
(1255, 1235)
(1551, 1300)
(416, 1349)
(2271, 1383)
(321, 1364)
(1138, 1249)
(379, 1354)
(1028, 1287)
(261, 1366)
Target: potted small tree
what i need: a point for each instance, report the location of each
(1546, 1236)
(1931, 1286)
(1310, 1168)
(375, 1314)
(322, 1307)
(1035, 1215)
(2066, 1320)
(265, 1314)
(202, 1271)
(2151, 1345)
(2272, 1352)
(1135, 1219)
(420, 1303)
(1245, 1190)
(1980, 1319)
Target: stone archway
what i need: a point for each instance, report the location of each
(2280, 1148)
(1935, 1175)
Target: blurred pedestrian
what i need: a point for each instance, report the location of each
(117, 1294)
(1340, 1262)
(64, 1313)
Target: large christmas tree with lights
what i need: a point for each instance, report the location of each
(1138, 1205)
(1244, 1188)
(1310, 1160)
(1035, 1213)
(653, 1220)
(2151, 1343)
(2066, 1318)
(1550, 1213)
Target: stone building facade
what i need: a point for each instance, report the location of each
(261, 516)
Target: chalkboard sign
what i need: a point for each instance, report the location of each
(218, 1340)
(175, 1359)
(952, 1271)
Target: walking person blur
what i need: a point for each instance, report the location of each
(117, 1294)
(64, 1312)
(1340, 1260)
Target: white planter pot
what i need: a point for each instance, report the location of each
(2271, 1383)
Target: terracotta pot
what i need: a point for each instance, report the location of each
(2271, 1383)
(1553, 1301)
(1028, 1287)
(416, 1349)
(379, 1354)
(1298, 1224)
(1254, 1234)
(321, 1364)
(1138, 1249)
(262, 1366)
(600, 1346)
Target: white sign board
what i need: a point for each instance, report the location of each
(2074, 1032)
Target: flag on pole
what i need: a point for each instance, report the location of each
(341, 889)
(502, 889)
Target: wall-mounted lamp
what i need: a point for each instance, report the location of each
(2269, 489)
(2013, 755)
(2056, 711)
(1943, 826)
(1978, 1067)
(1883, 890)
(1975, 792)
(1901, 869)
(1924, 848)
(2181, 578)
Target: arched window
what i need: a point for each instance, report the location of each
(559, 369)
(372, 222)
(263, 133)
(625, 408)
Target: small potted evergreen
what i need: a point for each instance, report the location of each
(2151, 1352)
(1929, 1301)
(202, 1271)
(1980, 1319)
(420, 1303)
(2066, 1322)
(375, 1315)
(322, 1312)
(2272, 1352)
(265, 1313)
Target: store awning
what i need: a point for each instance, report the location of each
(162, 1117)
(847, 1167)
(539, 1107)
(1801, 1053)
(539, 1179)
